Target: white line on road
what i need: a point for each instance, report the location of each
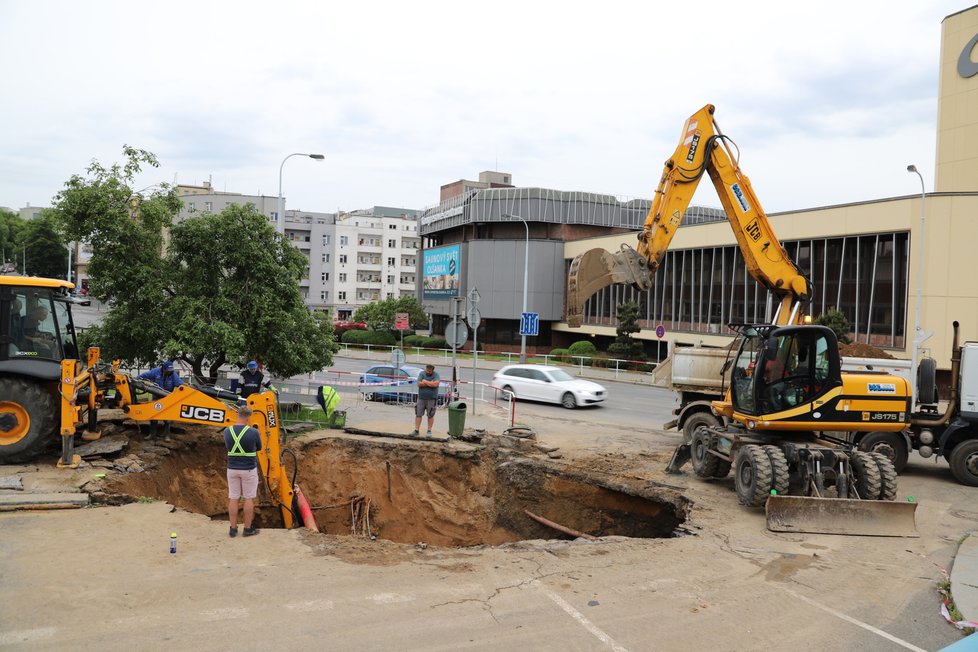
(579, 617)
(857, 623)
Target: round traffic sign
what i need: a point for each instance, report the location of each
(397, 357)
(457, 334)
(660, 331)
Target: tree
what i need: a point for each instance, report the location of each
(380, 315)
(46, 252)
(838, 322)
(225, 291)
(624, 346)
(11, 227)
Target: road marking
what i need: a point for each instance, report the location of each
(26, 635)
(858, 623)
(579, 617)
(310, 605)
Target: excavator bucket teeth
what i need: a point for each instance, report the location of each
(874, 518)
(596, 269)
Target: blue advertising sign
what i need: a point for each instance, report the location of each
(530, 323)
(440, 272)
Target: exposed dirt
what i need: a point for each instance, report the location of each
(860, 350)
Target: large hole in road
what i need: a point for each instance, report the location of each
(410, 492)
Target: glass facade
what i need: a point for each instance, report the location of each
(702, 290)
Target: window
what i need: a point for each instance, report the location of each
(325, 258)
(342, 259)
(324, 295)
(390, 279)
(391, 261)
(326, 240)
(192, 207)
(390, 295)
(341, 296)
(342, 277)
(209, 206)
(392, 243)
(392, 226)
(325, 276)
(344, 240)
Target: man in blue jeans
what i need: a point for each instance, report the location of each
(428, 382)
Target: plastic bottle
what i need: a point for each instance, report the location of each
(173, 543)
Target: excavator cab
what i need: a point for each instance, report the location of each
(778, 369)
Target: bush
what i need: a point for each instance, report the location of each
(560, 355)
(583, 347)
(435, 343)
(602, 363)
(415, 340)
(383, 338)
(341, 328)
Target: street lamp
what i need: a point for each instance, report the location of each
(918, 337)
(280, 219)
(526, 276)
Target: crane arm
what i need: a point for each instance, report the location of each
(702, 148)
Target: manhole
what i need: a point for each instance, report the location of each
(406, 493)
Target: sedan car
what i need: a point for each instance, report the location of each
(397, 384)
(79, 299)
(549, 384)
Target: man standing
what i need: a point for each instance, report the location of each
(243, 443)
(252, 380)
(166, 377)
(428, 382)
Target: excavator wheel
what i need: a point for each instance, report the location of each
(695, 421)
(752, 475)
(888, 477)
(704, 463)
(780, 477)
(27, 419)
(866, 475)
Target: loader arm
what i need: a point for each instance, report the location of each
(702, 148)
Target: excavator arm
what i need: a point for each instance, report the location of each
(702, 148)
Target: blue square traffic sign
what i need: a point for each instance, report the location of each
(530, 323)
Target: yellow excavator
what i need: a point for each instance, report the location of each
(786, 391)
(45, 389)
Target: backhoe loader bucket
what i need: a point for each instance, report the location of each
(872, 518)
(596, 269)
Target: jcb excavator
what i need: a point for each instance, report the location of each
(786, 389)
(45, 389)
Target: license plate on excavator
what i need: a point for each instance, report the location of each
(873, 518)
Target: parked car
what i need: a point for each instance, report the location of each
(549, 384)
(405, 387)
(79, 299)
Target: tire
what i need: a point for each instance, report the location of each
(927, 381)
(696, 420)
(889, 444)
(752, 475)
(568, 401)
(28, 419)
(369, 396)
(865, 475)
(508, 393)
(964, 462)
(704, 463)
(780, 477)
(888, 477)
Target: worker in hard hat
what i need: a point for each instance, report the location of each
(252, 380)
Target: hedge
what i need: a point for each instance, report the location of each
(383, 338)
(583, 347)
(560, 355)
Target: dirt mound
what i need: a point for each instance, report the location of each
(860, 350)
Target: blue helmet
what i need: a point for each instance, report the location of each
(252, 366)
(167, 366)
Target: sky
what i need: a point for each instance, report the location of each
(828, 102)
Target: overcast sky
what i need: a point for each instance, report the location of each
(828, 101)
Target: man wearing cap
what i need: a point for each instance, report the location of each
(252, 380)
(428, 382)
(166, 377)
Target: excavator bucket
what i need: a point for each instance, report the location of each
(596, 269)
(872, 518)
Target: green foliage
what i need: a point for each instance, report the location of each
(414, 340)
(583, 347)
(383, 338)
(226, 290)
(560, 355)
(11, 235)
(46, 251)
(435, 343)
(380, 315)
(838, 322)
(624, 347)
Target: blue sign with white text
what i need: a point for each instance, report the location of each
(440, 272)
(530, 323)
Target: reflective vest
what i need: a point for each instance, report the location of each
(236, 450)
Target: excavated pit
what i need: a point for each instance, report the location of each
(408, 492)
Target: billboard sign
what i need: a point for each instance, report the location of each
(440, 272)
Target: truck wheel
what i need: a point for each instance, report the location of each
(964, 462)
(695, 421)
(27, 419)
(704, 462)
(888, 477)
(927, 381)
(780, 477)
(890, 444)
(752, 475)
(865, 475)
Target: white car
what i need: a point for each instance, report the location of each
(550, 384)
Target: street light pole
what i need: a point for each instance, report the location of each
(918, 337)
(526, 277)
(280, 218)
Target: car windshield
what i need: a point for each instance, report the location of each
(560, 376)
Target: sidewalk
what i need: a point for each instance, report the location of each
(964, 581)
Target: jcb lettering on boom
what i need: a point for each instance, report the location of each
(201, 413)
(753, 231)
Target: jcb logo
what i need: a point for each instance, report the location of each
(753, 231)
(271, 417)
(202, 414)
